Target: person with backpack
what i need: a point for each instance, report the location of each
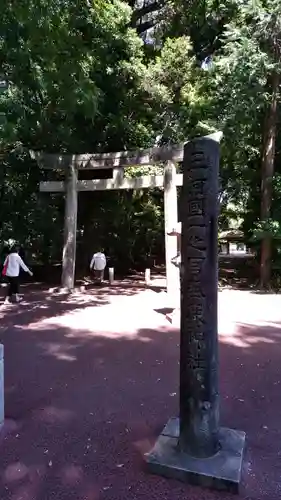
(98, 263)
(11, 270)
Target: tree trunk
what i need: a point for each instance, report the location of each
(267, 171)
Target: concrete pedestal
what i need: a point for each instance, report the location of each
(221, 471)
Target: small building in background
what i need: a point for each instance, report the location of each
(232, 242)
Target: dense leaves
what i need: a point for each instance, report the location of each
(109, 75)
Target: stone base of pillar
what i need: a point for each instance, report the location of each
(220, 472)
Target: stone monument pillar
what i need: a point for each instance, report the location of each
(199, 397)
(194, 448)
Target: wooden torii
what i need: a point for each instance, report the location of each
(117, 162)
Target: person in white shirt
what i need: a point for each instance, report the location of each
(98, 263)
(11, 269)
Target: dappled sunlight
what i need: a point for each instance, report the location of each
(110, 335)
(71, 474)
(144, 446)
(15, 472)
(248, 307)
(135, 335)
(53, 415)
(31, 487)
(69, 300)
(247, 335)
(122, 318)
(44, 305)
(240, 339)
(28, 482)
(62, 352)
(77, 298)
(91, 387)
(80, 328)
(247, 319)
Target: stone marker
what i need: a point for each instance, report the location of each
(193, 447)
(147, 276)
(2, 415)
(111, 274)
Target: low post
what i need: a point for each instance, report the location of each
(70, 226)
(2, 405)
(118, 175)
(147, 276)
(194, 448)
(171, 220)
(111, 274)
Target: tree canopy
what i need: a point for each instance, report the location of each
(99, 75)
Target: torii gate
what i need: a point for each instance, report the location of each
(117, 162)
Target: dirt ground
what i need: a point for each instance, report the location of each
(91, 379)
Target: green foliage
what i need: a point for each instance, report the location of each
(175, 84)
(87, 87)
(128, 225)
(265, 228)
(81, 79)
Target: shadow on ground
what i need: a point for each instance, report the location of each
(42, 302)
(84, 403)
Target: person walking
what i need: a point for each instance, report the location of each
(98, 262)
(11, 270)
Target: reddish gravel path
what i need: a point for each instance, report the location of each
(91, 380)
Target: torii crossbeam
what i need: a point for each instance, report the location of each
(168, 156)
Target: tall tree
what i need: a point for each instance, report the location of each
(268, 32)
(246, 77)
(89, 87)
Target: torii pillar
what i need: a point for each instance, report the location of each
(171, 219)
(70, 227)
(194, 448)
